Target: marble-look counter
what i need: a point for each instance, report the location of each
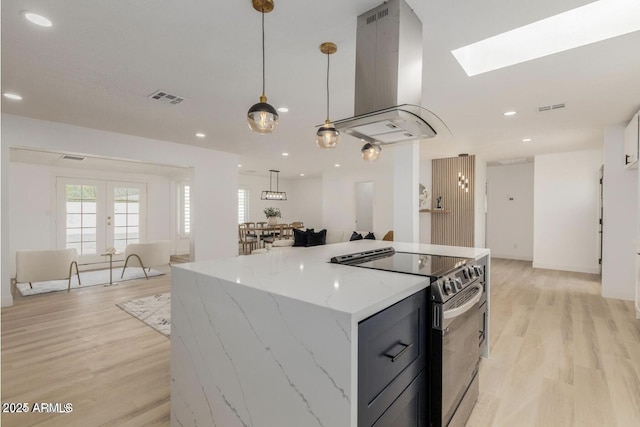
(271, 339)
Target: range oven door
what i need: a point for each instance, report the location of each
(456, 356)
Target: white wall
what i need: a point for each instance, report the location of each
(566, 192)
(215, 178)
(306, 201)
(339, 200)
(620, 217)
(33, 219)
(510, 222)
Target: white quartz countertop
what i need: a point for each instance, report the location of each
(305, 274)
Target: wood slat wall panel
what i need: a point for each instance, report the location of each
(457, 227)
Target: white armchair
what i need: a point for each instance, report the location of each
(146, 255)
(44, 265)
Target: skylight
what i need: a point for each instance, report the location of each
(594, 22)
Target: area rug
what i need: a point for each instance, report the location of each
(155, 311)
(88, 278)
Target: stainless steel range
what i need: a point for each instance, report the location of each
(457, 293)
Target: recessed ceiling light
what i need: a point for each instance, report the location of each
(591, 23)
(239, 166)
(285, 154)
(301, 174)
(337, 165)
(283, 109)
(36, 19)
(526, 140)
(13, 96)
(200, 135)
(510, 113)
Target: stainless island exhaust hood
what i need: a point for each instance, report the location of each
(389, 78)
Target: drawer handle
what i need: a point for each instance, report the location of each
(399, 355)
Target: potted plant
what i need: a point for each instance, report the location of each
(272, 214)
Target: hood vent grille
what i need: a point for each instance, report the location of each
(381, 14)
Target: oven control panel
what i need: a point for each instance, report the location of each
(446, 287)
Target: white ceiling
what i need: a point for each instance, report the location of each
(98, 63)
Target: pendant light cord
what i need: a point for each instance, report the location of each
(263, 66)
(328, 86)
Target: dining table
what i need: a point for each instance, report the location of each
(277, 231)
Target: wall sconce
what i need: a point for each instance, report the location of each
(463, 182)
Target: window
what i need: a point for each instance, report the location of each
(243, 205)
(185, 209)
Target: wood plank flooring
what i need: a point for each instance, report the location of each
(80, 348)
(561, 355)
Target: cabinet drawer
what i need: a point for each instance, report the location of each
(392, 350)
(410, 408)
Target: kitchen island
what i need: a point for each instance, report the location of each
(272, 339)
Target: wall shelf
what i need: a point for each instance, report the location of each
(436, 210)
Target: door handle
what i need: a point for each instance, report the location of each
(400, 353)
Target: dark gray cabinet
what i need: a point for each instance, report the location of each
(393, 348)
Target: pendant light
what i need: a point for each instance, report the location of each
(262, 117)
(327, 136)
(371, 152)
(270, 194)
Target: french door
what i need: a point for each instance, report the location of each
(94, 216)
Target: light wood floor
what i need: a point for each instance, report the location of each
(561, 355)
(80, 348)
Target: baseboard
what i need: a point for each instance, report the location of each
(576, 269)
(511, 256)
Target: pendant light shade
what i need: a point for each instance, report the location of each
(262, 117)
(371, 152)
(328, 136)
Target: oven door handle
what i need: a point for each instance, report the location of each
(458, 311)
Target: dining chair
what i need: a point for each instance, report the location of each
(297, 224)
(248, 241)
(250, 225)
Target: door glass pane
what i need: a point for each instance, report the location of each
(89, 220)
(88, 207)
(81, 224)
(120, 220)
(74, 220)
(132, 219)
(126, 216)
(74, 207)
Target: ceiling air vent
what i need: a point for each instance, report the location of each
(68, 157)
(551, 107)
(166, 97)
